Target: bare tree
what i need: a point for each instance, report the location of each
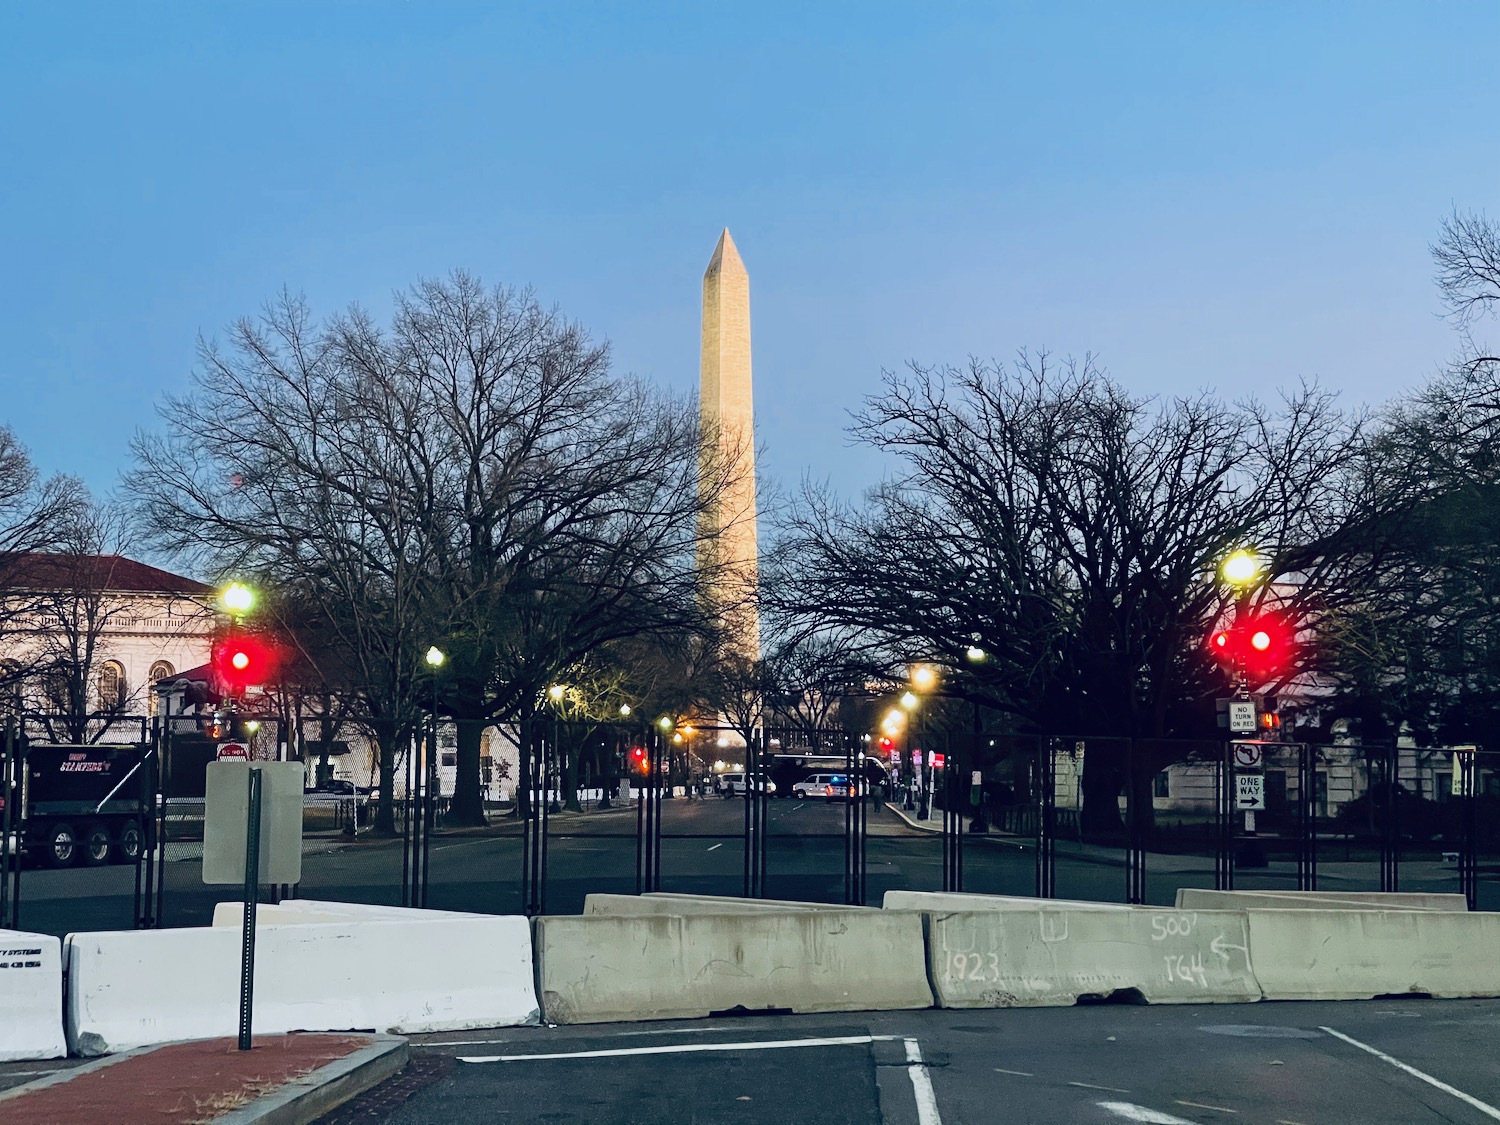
(79, 603)
(1467, 256)
(471, 478)
(1076, 531)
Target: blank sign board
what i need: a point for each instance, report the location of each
(226, 816)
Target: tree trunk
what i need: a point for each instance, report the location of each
(467, 806)
(1099, 818)
(385, 745)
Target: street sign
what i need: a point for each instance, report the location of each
(1461, 754)
(1241, 716)
(233, 752)
(1250, 791)
(226, 819)
(1246, 757)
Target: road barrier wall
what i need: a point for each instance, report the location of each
(1357, 955)
(31, 997)
(1042, 957)
(138, 987)
(665, 903)
(306, 911)
(1190, 898)
(600, 969)
(954, 901)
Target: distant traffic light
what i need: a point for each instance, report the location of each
(244, 662)
(639, 761)
(1261, 646)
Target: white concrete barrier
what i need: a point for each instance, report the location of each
(1359, 954)
(1193, 898)
(954, 901)
(31, 997)
(598, 969)
(305, 911)
(1014, 958)
(661, 902)
(137, 987)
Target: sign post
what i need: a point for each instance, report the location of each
(252, 834)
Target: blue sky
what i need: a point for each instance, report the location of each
(1203, 195)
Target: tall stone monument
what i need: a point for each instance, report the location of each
(729, 554)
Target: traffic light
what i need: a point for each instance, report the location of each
(243, 662)
(1260, 645)
(638, 760)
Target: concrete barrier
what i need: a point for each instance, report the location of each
(599, 969)
(1037, 958)
(138, 987)
(1192, 898)
(31, 997)
(1359, 954)
(953, 901)
(305, 911)
(663, 903)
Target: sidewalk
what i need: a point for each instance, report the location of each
(282, 1080)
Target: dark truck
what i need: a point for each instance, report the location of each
(84, 801)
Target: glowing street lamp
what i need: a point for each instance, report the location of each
(237, 598)
(1240, 568)
(435, 657)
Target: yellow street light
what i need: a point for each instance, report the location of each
(909, 701)
(665, 722)
(1240, 568)
(924, 677)
(556, 692)
(624, 710)
(237, 598)
(435, 657)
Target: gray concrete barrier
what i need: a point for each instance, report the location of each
(1192, 898)
(1359, 954)
(949, 900)
(663, 903)
(598, 969)
(1042, 957)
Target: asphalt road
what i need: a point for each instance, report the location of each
(702, 851)
(1409, 1062)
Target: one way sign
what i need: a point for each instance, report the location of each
(1250, 791)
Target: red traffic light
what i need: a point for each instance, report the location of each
(639, 760)
(245, 661)
(1262, 646)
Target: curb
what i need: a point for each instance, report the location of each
(300, 1101)
(304, 1100)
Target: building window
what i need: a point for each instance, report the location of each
(1160, 786)
(112, 686)
(161, 670)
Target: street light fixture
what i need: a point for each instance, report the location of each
(1240, 568)
(238, 598)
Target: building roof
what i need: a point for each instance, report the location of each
(41, 571)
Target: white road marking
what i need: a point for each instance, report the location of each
(1091, 1086)
(688, 1048)
(711, 847)
(605, 1035)
(1468, 1099)
(921, 1084)
(1202, 1105)
(1143, 1115)
(1022, 1073)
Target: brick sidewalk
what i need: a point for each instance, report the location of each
(178, 1084)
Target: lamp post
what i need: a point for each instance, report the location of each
(913, 781)
(976, 655)
(427, 793)
(1240, 570)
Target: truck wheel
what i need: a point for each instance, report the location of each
(129, 846)
(62, 846)
(96, 843)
